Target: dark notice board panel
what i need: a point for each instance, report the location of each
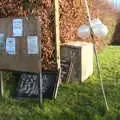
(28, 84)
(21, 60)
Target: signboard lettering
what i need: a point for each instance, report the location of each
(28, 85)
(65, 66)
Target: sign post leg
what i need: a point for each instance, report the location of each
(1, 81)
(40, 93)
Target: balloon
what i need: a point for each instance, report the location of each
(83, 31)
(100, 30)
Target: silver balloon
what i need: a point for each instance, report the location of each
(83, 31)
(99, 28)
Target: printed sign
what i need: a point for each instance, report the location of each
(32, 43)
(17, 27)
(11, 46)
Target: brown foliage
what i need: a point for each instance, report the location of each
(72, 15)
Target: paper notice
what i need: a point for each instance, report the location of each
(32, 43)
(11, 46)
(18, 27)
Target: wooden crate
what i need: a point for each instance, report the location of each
(80, 56)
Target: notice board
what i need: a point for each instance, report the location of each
(28, 84)
(20, 43)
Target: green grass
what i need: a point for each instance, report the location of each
(75, 101)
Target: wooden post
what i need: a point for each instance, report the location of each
(40, 93)
(57, 31)
(40, 80)
(1, 81)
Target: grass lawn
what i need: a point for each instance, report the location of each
(75, 101)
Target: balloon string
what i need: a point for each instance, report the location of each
(96, 56)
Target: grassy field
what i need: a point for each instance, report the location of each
(75, 101)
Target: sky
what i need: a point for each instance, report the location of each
(115, 4)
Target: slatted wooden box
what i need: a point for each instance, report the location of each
(80, 57)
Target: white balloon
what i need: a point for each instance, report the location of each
(100, 30)
(83, 31)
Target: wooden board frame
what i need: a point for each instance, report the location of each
(21, 61)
